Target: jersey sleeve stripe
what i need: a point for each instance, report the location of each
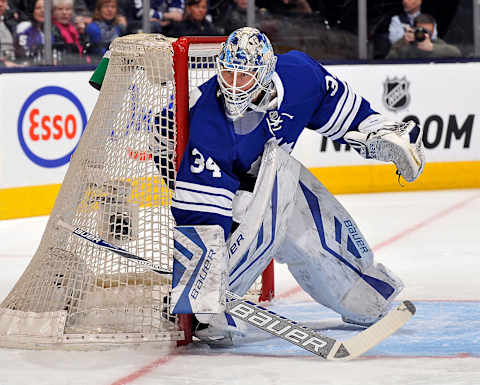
(338, 109)
(349, 120)
(342, 127)
(202, 208)
(339, 127)
(335, 125)
(195, 197)
(344, 112)
(205, 189)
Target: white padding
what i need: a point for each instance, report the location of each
(264, 218)
(241, 204)
(22, 323)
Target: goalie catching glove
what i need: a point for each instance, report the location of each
(397, 142)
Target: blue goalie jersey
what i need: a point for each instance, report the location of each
(220, 152)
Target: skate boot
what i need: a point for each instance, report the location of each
(218, 330)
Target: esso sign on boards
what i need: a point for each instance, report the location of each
(50, 124)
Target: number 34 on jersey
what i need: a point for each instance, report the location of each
(200, 165)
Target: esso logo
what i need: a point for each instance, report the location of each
(50, 125)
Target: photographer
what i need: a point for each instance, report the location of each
(401, 25)
(420, 43)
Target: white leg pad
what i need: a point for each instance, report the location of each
(291, 216)
(331, 260)
(362, 303)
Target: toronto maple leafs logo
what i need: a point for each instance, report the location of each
(275, 120)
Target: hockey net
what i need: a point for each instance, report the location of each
(75, 294)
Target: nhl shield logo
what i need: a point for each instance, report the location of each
(273, 115)
(396, 95)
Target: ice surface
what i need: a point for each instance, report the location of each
(430, 239)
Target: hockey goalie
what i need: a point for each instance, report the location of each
(241, 199)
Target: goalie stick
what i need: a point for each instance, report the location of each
(306, 338)
(118, 250)
(319, 344)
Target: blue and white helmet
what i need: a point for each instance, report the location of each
(245, 67)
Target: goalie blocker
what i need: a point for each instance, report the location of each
(199, 270)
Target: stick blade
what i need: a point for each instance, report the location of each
(372, 336)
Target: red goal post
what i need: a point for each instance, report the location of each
(186, 48)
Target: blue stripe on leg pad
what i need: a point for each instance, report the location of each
(230, 320)
(182, 249)
(381, 287)
(338, 230)
(352, 248)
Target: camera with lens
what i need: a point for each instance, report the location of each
(420, 34)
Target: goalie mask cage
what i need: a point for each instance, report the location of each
(75, 294)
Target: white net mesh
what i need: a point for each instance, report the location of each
(118, 186)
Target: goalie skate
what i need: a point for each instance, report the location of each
(219, 330)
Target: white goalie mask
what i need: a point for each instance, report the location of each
(245, 67)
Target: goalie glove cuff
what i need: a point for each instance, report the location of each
(397, 142)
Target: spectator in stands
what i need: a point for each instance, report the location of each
(65, 38)
(29, 39)
(80, 22)
(401, 25)
(162, 14)
(85, 8)
(421, 44)
(105, 27)
(194, 22)
(7, 30)
(395, 28)
(235, 16)
(286, 7)
(21, 9)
